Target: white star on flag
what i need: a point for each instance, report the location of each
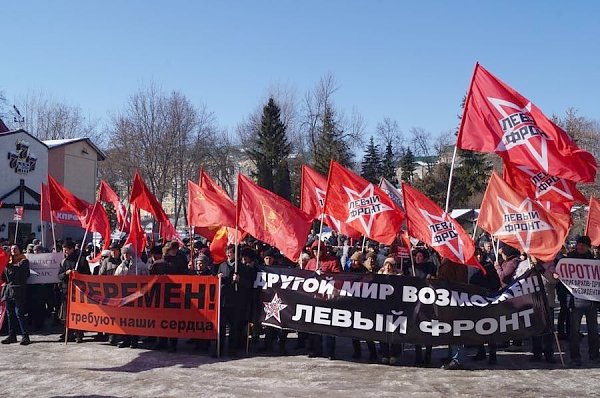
(321, 198)
(368, 192)
(565, 191)
(432, 219)
(542, 156)
(526, 207)
(273, 308)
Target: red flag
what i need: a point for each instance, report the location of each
(207, 183)
(272, 219)
(541, 186)
(106, 194)
(61, 199)
(98, 222)
(224, 236)
(44, 204)
(207, 232)
(4, 258)
(362, 205)
(143, 199)
(137, 236)
(520, 222)
(498, 119)
(432, 225)
(313, 189)
(592, 225)
(207, 208)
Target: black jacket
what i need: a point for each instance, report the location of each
(70, 263)
(15, 276)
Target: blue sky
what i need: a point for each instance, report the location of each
(411, 61)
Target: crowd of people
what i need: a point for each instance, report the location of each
(33, 307)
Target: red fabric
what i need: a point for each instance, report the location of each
(98, 222)
(224, 236)
(312, 199)
(207, 232)
(362, 205)
(432, 225)
(328, 264)
(60, 198)
(143, 199)
(272, 219)
(541, 186)
(207, 183)
(207, 208)
(137, 236)
(521, 222)
(498, 119)
(106, 194)
(4, 257)
(592, 225)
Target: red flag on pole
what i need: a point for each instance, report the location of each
(97, 221)
(60, 198)
(427, 222)
(592, 225)
(207, 183)
(520, 222)
(362, 205)
(541, 186)
(313, 189)
(137, 236)
(498, 119)
(272, 219)
(208, 208)
(106, 194)
(224, 236)
(143, 199)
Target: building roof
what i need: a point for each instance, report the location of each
(57, 143)
(24, 132)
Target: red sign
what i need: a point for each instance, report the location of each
(165, 306)
(18, 214)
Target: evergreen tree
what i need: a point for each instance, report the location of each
(270, 152)
(388, 164)
(371, 166)
(331, 144)
(407, 164)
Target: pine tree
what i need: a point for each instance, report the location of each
(371, 166)
(388, 164)
(331, 144)
(407, 164)
(271, 151)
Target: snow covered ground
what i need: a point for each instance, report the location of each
(47, 368)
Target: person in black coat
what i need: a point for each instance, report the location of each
(15, 294)
(73, 262)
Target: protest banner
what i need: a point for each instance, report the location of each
(44, 267)
(400, 309)
(165, 306)
(581, 277)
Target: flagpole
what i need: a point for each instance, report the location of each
(53, 232)
(16, 232)
(323, 215)
(237, 212)
(87, 228)
(462, 122)
(412, 260)
(587, 220)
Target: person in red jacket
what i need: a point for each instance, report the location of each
(328, 263)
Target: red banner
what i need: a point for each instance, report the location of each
(165, 306)
(592, 225)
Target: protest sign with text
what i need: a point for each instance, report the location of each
(581, 277)
(400, 309)
(44, 267)
(164, 306)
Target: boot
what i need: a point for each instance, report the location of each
(25, 340)
(10, 339)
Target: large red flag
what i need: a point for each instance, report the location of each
(143, 199)
(106, 194)
(207, 208)
(208, 183)
(65, 217)
(520, 222)
(362, 205)
(97, 221)
(272, 219)
(313, 188)
(427, 222)
(592, 225)
(60, 198)
(498, 119)
(541, 186)
(137, 236)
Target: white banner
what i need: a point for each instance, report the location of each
(44, 267)
(581, 277)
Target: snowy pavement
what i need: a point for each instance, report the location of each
(47, 368)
